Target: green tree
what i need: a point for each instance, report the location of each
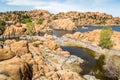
(105, 37)
(40, 21)
(30, 27)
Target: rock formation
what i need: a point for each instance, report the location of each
(79, 18)
(14, 69)
(65, 24)
(41, 59)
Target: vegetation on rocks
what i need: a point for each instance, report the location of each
(26, 20)
(99, 66)
(2, 26)
(30, 27)
(105, 37)
(40, 21)
(79, 18)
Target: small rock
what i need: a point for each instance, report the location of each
(89, 77)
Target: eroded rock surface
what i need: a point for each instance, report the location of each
(36, 60)
(15, 69)
(65, 24)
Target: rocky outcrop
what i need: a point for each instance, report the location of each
(89, 77)
(39, 59)
(15, 69)
(65, 24)
(54, 66)
(88, 18)
(116, 40)
(92, 36)
(51, 44)
(112, 69)
(16, 30)
(5, 53)
(20, 47)
(76, 35)
(21, 29)
(42, 28)
(69, 76)
(79, 18)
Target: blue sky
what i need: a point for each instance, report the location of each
(55, 6)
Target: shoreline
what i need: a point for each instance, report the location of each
(96, 25)
(88, 45)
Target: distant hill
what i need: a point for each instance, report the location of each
(87, 18)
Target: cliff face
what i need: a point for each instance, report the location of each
(88, 18)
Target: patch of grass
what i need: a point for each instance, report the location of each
(40, 21)
(30, 27)
(72, 43)
(91, 53)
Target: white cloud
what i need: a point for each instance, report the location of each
(64, 5)
(53, 6)
(25, 2)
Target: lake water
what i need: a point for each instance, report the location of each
(60, 33)
(90, 64)
(91, 28)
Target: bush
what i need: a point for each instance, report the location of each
(26, 20)
(30, 27)
(40, 21)
(2, 26)
(105, 37)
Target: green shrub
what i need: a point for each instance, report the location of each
(105, 37)
(26, 20)
(2, 26)
(99, 70)
(30, 27)
(40, 21)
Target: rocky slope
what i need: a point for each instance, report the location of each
(21, 29)
(39, 59)
(89, 18)
(79, 18)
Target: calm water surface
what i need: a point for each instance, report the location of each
(60, 33)
(90, 64)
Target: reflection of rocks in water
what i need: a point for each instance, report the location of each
(99, 70)
(87, 68)
(60, 33)
(80, 52)
(89, 62)
(112, 67)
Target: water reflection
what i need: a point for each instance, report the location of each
(60, 33)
